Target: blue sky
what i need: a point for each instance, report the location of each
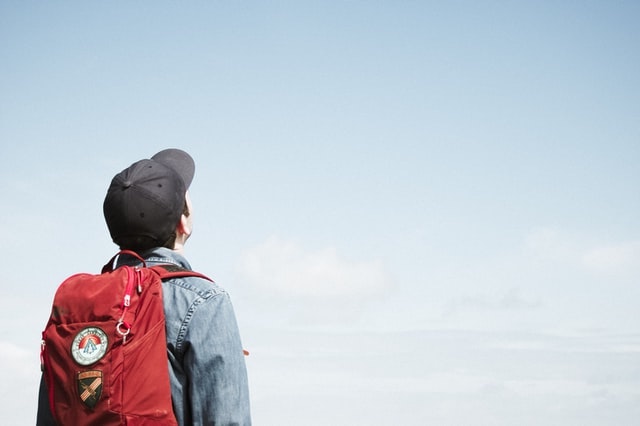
(426, 208)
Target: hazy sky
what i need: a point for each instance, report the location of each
(425, 213)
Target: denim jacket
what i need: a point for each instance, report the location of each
(207, 370)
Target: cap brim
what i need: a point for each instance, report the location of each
(179, 161)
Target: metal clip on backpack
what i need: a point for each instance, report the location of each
(104, 350)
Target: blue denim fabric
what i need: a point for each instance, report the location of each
(207, 370)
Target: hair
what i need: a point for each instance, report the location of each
(142, 243)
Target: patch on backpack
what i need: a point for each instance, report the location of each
(89, 346)
(90, 387)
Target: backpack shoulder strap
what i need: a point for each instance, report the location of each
(165, 271)
(169, 271)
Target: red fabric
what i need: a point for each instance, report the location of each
(135, 379)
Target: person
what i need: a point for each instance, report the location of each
(148, 210)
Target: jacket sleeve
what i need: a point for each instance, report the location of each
(214, 365)
(44, 416)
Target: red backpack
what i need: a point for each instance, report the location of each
(104, 350)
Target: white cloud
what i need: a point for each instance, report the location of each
(19, 359)
(20, 372)
(551, 244)
(613, 257)
(285, 267)
(443, 377)
(510, 300)
(604, 257)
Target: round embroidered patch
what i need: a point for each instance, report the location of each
(89, 345)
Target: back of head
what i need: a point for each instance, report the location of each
(145, 201)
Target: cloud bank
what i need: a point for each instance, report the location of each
(284, 267)
(620, 257)
(20, 372)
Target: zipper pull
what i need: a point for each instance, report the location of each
(123, 330)
(43, 346)
(139, 280)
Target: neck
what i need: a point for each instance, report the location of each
(178, 245)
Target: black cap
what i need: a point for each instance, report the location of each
(145, 201)
(179, 161)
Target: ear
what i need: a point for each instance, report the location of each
(183, 227)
